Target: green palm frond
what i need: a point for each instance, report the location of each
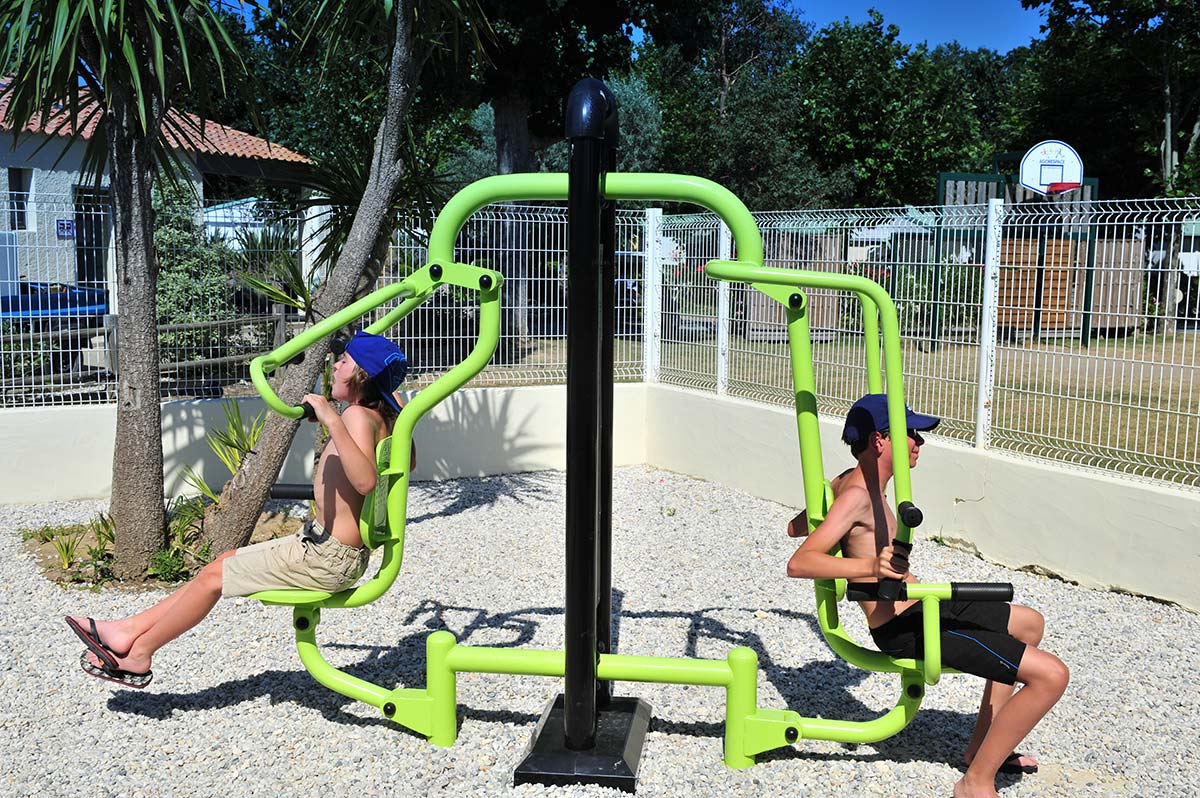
(73, 61)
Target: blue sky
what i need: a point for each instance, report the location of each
(996, 24)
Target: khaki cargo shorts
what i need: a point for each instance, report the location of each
(312, 559)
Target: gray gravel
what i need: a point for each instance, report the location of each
(698, 568)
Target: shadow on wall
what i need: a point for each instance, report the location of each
(185, 430)
(484, 439)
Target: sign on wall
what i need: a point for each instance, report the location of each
(65, 228)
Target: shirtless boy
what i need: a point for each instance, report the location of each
(994, 640)
(327, 554)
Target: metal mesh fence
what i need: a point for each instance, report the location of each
(1097, 331)
(1093, 356)
(1070, 333)
(528, 244)
(55, 325)
(688, 354)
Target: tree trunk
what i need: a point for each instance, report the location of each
(230, 522)
(514, 154)
(137, 476)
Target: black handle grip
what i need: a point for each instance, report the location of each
(891, 589)
(309, 412)
(292, 490)
(981, 591)
(910, 514)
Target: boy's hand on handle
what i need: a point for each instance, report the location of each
(322, 411)
(892, 563)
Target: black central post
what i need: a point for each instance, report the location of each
(585, 735)
(585, 406)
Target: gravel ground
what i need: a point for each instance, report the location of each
(698, 568)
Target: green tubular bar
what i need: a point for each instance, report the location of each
(617, 185)
(748, 730)
(411, 708)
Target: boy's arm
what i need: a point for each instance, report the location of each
(813, 560)
(353, 433)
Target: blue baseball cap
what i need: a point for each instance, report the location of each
(383, 361)
(870, 414)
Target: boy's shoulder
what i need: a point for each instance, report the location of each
(358, 414)
(854, 497)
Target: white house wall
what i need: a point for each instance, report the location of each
(42, 256)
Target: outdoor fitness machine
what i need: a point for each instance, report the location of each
(586, 735)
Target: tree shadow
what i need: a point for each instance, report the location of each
(467, 493)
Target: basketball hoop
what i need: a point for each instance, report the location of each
(1051, 167)
(1061, 188)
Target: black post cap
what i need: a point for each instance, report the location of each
(592, 112)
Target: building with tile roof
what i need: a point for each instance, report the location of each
(55, 229)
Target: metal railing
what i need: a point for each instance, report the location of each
(1066, 331)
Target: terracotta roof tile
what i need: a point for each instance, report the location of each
(182, 131)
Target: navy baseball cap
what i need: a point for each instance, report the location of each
(383, 361)
(870, 414)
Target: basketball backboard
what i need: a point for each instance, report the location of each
(1051, 167)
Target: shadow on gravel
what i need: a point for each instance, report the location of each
(460, 495)
(815, 689)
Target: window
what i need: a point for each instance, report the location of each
(19, 183)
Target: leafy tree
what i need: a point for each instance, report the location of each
(889, 115)
(731, 109)
(193, 281)
(121, 66)
(1130, 68)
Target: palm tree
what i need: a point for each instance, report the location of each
(364, 234)
(119, 67)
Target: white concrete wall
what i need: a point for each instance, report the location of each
(1098, 530)
(63, 453)
(511, 430)
(1101, 531)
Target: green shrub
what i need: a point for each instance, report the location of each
(193, 280)
(184, 553)
(65, 545)
(99, 555)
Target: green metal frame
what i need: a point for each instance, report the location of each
(749, 730)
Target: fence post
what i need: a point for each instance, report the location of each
(724, 252)
(987, 324)
(652, 290)
(311, 238)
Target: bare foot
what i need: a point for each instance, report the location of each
(962, 789)
(112, 635)
(124, 662)
(1016, 763)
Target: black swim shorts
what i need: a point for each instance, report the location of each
(975, 638)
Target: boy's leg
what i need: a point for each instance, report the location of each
(1045, 678)
(190, 605)
(1027, 625)
(118, 636)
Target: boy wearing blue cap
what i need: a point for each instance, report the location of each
(994, 640)
(326, 555)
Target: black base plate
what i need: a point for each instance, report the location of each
(621, 731)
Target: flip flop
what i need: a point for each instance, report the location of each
(125, 678)
(91, 639)
(1013, 764)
